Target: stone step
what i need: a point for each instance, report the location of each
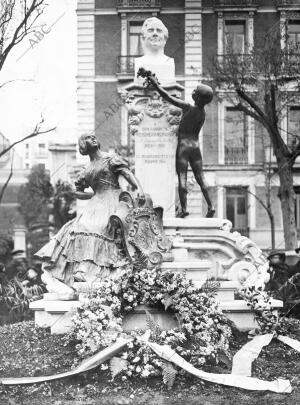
(242, 315)
(54, 314)
(227, 290)
(58, 314)
(198, 272)
(195, 270)
(194, 225)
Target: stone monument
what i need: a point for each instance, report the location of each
(204, 248)
(153, 121)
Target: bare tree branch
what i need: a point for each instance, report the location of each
(24, 28)
(4, 187)
(249, 112)
(14, 80)
(35, 132)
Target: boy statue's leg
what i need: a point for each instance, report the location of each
(196, 165)
(181, 169)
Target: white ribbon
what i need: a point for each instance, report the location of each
(248, 383)
(242, 360)
(85, 365)
(241, 367)
(167, 353)
(295, 344)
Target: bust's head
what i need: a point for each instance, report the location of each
(154, 35)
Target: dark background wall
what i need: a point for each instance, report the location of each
(173, 3)
(263, 23)
(105, 3)
(210, 134)
(107, 43)
(108, 116)
(175, 44)
(209, 40)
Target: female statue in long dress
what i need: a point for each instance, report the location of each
(85, 246)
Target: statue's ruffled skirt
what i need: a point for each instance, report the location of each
(86, 243)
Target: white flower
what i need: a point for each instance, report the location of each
(145, 373)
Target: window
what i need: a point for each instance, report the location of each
(293, 126)
(235, 37)
(135, 40)
(236, 208)
(293, 33)
(235, 138)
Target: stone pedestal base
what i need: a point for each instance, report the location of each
(58, 314)
(228, 255)
(55, 315)
(137, 319)
(203, 247)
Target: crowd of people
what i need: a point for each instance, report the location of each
(18, 268)
(284, 283)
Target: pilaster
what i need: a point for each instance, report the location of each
(282, 29)
(250, 31)
(86, 67)
(220, 33)
(193, 46)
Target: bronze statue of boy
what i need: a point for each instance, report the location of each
(188, 151)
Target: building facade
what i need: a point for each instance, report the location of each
(231, 143)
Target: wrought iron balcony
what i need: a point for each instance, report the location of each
(227, 4)
(125, 65)
(287, 3)
(138, 4)
(232, 57)
(236, 155)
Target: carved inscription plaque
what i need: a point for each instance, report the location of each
(155, 148)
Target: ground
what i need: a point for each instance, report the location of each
(26, 351)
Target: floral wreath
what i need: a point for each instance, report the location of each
(202, 334)
(268, 320)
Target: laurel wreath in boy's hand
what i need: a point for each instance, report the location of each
(150, 77)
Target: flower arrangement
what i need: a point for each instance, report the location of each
(202, 334)
(260, 301)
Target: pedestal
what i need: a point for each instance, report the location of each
(153, 124)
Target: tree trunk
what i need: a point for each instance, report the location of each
(272, 223)
(287, 198)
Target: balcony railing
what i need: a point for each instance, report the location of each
(235, 3)
(232, 58)
(125, 64)
(236, 155)
(287, 3)
(139, 3)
